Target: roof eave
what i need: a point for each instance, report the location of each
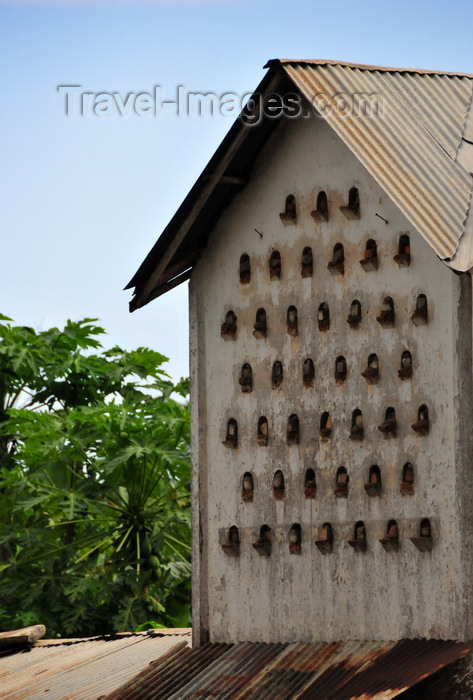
(171, 259)
(152, 278)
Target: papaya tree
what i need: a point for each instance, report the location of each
(94, 484)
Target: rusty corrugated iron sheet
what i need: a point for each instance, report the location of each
(170, 673)
(82, 669)
(258, 671)
(409, 147)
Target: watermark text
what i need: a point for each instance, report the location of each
(251, 108)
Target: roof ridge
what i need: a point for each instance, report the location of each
(365, 66)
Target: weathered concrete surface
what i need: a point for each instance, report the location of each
(346, 594)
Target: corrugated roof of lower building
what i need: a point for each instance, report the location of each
(83, 669)
(323, 671)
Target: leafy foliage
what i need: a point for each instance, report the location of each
(94, 484)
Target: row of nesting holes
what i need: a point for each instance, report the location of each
(385, 318)
(321, 212)
(388, 427)
(370, 373)
(351, 210)
(372, 486)
(390, 542)
(336, 265)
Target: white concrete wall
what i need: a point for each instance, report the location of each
(345, 594)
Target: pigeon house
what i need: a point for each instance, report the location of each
(356, 208)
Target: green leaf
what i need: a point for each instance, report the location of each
(94, 481)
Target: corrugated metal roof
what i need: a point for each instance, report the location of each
(258, 671)
(169, 674)
(411, 151)
(363, 66)
(82, 669)
(163, 666)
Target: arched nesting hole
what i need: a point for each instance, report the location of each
(354, 316)
(390, 541)
(231, 437)
(339, 252)
(373, 486)
(337, 263)
(352, 209)
(371, 373)
(247, 487)
(295, 539)
(291, 321)
(340, 369)
(421, 303)
(341, 483)
(275, 265)
(423, 541)
(358, 542)
(322, 205)
(276, 374)
(403, 256)
(405, 370)
(245, 269)
(404, 244)
(420, 317)
(310, 487)
(425, 529)
(246, 378)
(325, 541)
(233, 534)
(323, 317)
(407, 483)
(356, 428)
(262, 435)
(263, 543)
(289, 215)
(231, 546)
(278, 485)
(389, 425)
(307, 262)
(320, 213)
(374, 476)
(422, 424)
(229, 326)
(290, 207)
(292, 434)
(264, 531)
(353, 198)
(370, 257)
(260, 327)
(359, 531)
(308, 373)
(325, 426)
(386, 317)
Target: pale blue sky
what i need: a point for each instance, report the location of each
(84, 199)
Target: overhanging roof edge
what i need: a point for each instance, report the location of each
(153, 273)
